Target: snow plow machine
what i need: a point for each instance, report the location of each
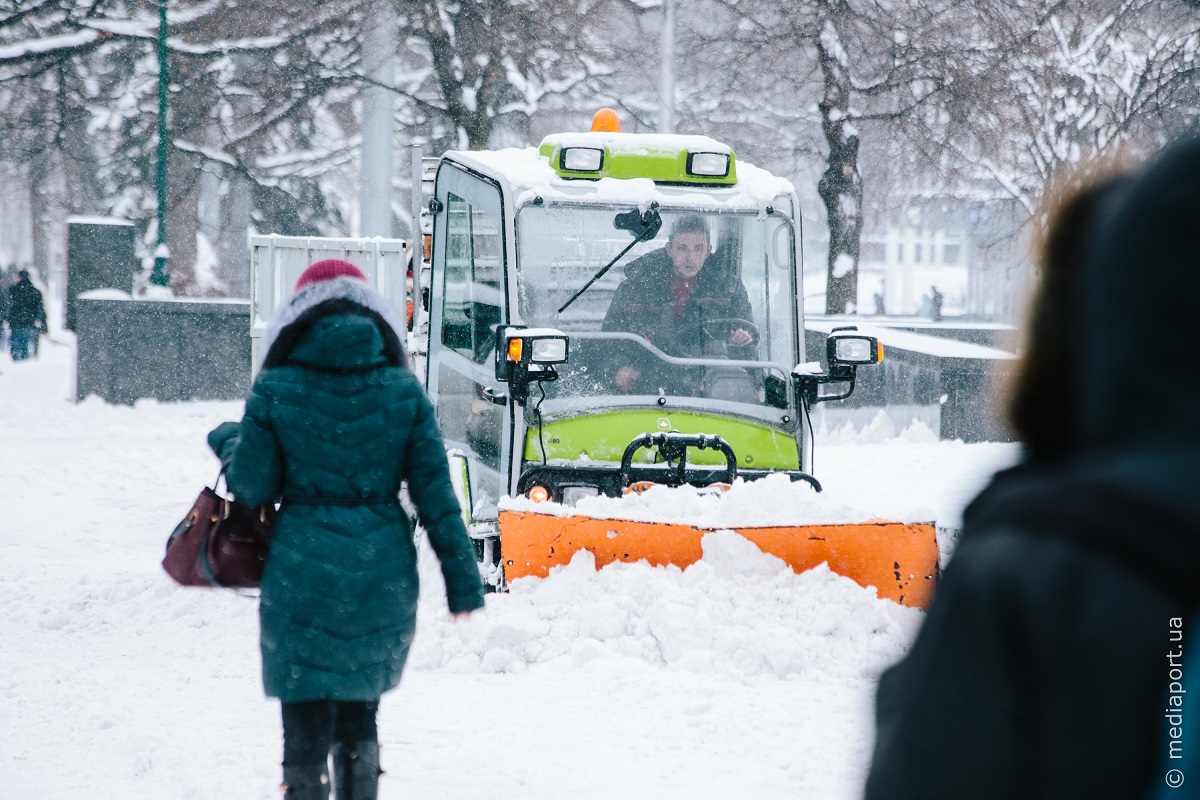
(574, 351)
(605, 313)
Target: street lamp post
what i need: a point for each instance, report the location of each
(161, 275)
(666, 91)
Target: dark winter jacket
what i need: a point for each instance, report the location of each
(644, 304)
(25, 308)
(333, 424)
(1042, 669)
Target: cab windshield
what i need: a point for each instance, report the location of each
(702, 308)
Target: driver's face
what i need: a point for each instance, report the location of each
(688, 252)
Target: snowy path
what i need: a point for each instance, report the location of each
(730, 679)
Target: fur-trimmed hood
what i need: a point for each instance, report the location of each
(293, 319)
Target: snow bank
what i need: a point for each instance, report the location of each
(732, 678)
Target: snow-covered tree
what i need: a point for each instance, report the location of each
(807, 79)
(469, 66)
(1059, 86)
(265, 97)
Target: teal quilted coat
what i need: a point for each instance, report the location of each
(333, 431)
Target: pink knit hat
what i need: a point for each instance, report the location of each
(327, 270)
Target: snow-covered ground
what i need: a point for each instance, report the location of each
(732, 678)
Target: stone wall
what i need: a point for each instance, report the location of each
(968, 393)
(168, 350)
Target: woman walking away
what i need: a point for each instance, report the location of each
(334, 423)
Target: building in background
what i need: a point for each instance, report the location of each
(971, 245)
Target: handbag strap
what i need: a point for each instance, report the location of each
(223, 497)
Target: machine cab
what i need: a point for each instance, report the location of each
(651, 284)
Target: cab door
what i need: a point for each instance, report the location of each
(468, 299)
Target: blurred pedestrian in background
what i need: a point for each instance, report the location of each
(1044, 665)
(936, 299)
(26, 317)
(334, 423)
(5, 306)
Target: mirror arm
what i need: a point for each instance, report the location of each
(522, 377)
(809, 385)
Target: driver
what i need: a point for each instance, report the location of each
(681, 302)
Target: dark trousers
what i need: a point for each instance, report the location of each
(22, 340)
(310, 730)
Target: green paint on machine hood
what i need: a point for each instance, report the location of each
(604, 436)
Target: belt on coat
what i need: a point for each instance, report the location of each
(342, 501)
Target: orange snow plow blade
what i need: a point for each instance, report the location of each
(899, 560)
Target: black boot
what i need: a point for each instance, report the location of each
(306, 783)
(357, 771)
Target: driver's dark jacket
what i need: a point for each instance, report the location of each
(644, 304)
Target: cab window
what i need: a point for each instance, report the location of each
(472, 294)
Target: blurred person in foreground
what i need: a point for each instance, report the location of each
(334, 423)
(1043, 667)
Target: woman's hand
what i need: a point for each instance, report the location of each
(462, 616)
(221, 434)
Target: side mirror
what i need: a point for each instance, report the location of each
(846, 350)
(525, 355)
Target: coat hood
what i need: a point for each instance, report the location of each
(1136, 383)
(348, 341)
(294, 321)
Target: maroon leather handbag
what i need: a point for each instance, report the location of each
(220, 543)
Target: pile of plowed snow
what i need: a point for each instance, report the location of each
(773, 500)
(737, 612)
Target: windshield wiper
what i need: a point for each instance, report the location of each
(644, 225)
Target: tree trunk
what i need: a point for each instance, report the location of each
(840, 188)
(80, 166)
(39, 210)
(232, 251)
(183, 218)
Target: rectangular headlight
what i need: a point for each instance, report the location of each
(548, 351)
(863, 349)
(709, 165)
(573, 494)
(582, 159)
(857, 351)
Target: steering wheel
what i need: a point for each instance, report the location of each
(726, 325)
